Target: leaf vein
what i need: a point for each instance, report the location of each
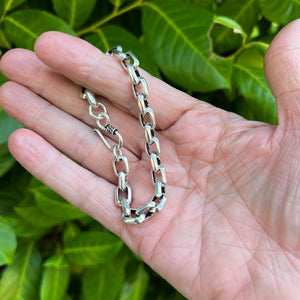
(25, 29)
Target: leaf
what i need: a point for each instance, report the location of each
(7, 126)
(8, 242)
(54, 205)
(249, 78)
(109, 36)
(91, 248)
(230, 23)
(7, 5)
(253, 54)
(280, 11)
(20, 280)
(253, 86)
(55, 278)
(117, 3)
(2, 80)
(4, 43)
(103, 282)
(136, 289)
(6, 161)
(207, 4)
(244, 13)
(70, 231)
(35, 216)
(74, 12)
(23, 27)
(24, 229)
(180, 44)
(9, 197)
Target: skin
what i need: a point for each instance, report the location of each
(230, 227)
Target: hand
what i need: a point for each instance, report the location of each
(230, 227)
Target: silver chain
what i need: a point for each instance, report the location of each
(98, 111)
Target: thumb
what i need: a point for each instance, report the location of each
(282, 70)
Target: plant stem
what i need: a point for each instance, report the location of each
(109, 17)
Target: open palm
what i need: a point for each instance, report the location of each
(230, 227)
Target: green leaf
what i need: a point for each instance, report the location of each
(7, 126)
(70, 231)
(74, 12)
(249, 78)
(230, 23)
(136, 289)
(6, 161)
(103, 282)
(177, 34)
(4, 43)
(55, 279)
(252, 85)
(20, 280)
(245, 13)
(2, 80)
(35, 216)
(24, 229)
(91, 248)
(23, 27)
(207, 4)
(7, 5)
(253, 54)
(9, 197)
(54, 205)
(8, 242)
(280, 11)
(117, 3)
(109, 36)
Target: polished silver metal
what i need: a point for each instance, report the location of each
(98, 111)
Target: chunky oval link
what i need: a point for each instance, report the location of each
(141, 88)
(142, 103)
(155, 162)
(155, 141)
(122, 181)
(148, 112)
(159, 189)
(117, 161)
(123, 192)
(119, 195)
(134, 74)
(145, 208)
(149, 134)
(135, 60)
(161, 171)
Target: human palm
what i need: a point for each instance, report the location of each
(230, 227)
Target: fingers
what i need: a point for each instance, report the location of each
(24, 67)
(80, 187)
(86, 65)
(282, 69)
(68, 134)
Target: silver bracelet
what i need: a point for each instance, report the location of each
(123, 193)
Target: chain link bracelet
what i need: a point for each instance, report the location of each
(123, 193)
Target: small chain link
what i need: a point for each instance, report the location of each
(98, 111)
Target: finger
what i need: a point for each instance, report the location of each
(80, 187)
(87, 66)
(66, 133)
(24, 67)
(282, 69)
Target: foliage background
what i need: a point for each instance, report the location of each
(211, 49)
